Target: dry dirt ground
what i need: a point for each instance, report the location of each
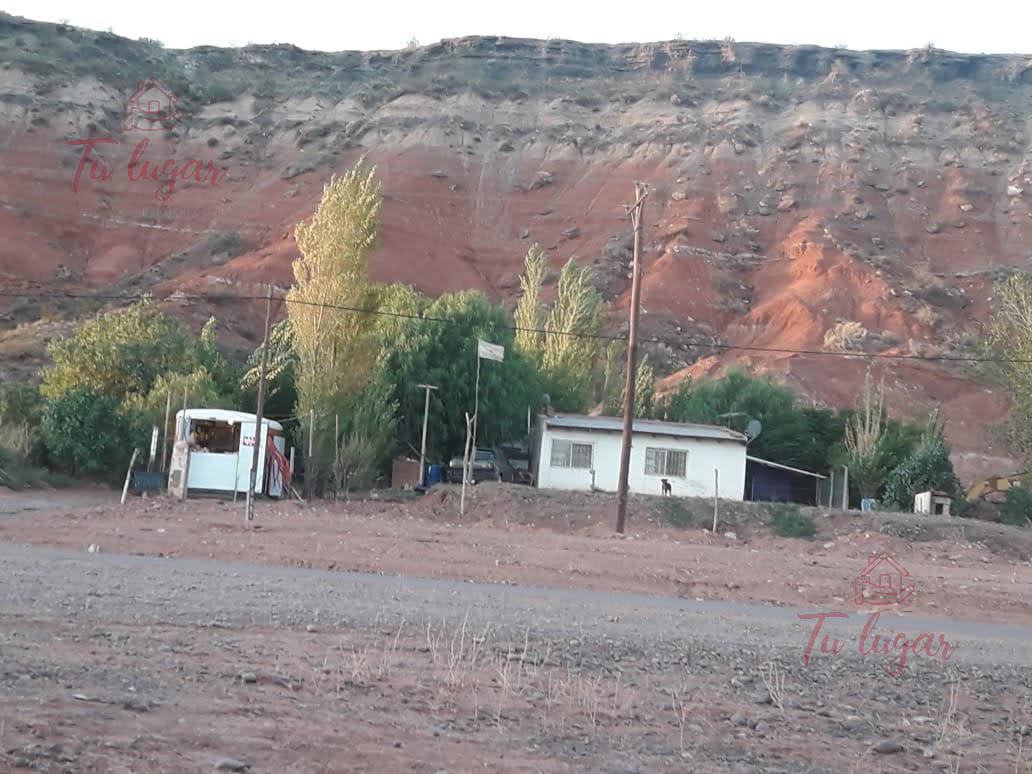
(573, 650)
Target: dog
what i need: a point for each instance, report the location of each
(667, 489)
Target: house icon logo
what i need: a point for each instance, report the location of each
(150, 108)
(882, 582)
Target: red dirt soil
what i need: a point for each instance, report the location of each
(515, 535)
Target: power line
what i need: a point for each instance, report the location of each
(220, 297)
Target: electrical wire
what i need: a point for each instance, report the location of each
(220, 297)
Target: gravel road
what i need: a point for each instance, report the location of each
(113, 661)
(51, 583)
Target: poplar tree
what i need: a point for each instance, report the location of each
(334, 342)
(565, 352)
(530, 316)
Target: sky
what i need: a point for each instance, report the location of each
(988, 26)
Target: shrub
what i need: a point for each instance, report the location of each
(845, 337)
(85, 434)
(677, 513)
(787, 521)
(1016, 509)
(929, 468)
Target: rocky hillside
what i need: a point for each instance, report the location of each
(801, 197)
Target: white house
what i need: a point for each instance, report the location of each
(582, 452)
(214, 448)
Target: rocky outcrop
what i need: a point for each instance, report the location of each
(793, 190)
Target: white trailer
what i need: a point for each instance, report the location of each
(213, 451)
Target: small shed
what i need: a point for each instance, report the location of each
(932, 503)
(772, 482)
(213, 450)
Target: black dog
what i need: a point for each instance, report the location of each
(667, 489)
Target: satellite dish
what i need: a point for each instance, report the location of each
(753, 429)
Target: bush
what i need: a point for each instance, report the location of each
(789, 522)
(847, 336)
(677, 513)
(1016, 509)
(16, 474)
(927, 469)
(19, 421)
(85, 434)
(120, 353)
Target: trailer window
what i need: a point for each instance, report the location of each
(215, 437)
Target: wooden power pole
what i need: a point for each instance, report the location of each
(635, 213)
(259, 412)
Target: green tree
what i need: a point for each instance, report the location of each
(280, 385)
(142, 412)
(120, 353)
(367, 436)
(86, 434)
(739, 397)
(864, 434)
(613, 379)
(335, 348)
(1016, 509)
(1009, 337)
(442, 350)
(928, 468)
(644, 389)
(224, 373)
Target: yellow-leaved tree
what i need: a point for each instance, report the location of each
(561, 341)
(334, 345)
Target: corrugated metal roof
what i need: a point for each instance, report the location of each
(646, 426)
(779, 466)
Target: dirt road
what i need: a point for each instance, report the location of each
(128, 663)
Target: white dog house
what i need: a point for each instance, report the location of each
(932, 503)
(582, 452)
(213, 451)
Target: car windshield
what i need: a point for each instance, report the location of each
(484, 455)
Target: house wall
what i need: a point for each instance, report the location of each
(703, 456)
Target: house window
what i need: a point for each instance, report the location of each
(568, 454)
(665, 462)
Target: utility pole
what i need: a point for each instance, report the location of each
(422, 446)
(249, 512)
(635, 212)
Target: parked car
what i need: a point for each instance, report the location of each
(486, 466)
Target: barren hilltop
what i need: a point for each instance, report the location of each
(802, 198)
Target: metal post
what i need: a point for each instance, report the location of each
(422, 446)
(255, 451)
(164, 434)
(476, 407)
(466, 455)
(640, 192)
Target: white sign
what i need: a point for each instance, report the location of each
(490, 351)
